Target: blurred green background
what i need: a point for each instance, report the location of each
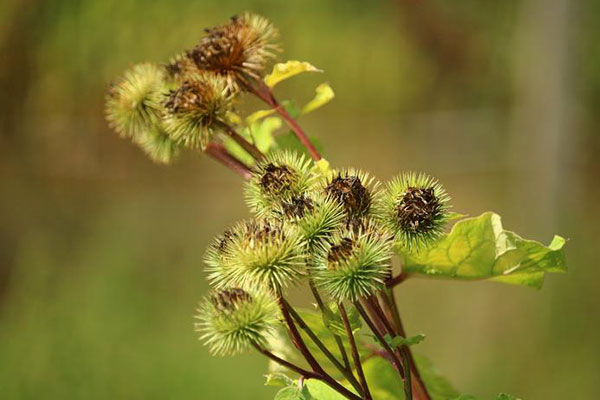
(100, 250)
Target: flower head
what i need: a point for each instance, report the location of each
(280, 177)
(415, 208)
(133, 104)
(157, 145)
(239, 50)
(195, 110)
(354, 263)
(230, 320)
(315, 215)
(257, 253)
(354, 190)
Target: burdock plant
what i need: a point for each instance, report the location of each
(337, 234)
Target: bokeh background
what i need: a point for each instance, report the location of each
(100, 250)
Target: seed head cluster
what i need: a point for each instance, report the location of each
(186, 102)
(337, 228)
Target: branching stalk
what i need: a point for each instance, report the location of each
(263, 92)
(346, 372)
(309, 374)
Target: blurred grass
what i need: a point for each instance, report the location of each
(100, 251)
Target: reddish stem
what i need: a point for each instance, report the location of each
(220, 153)
(355, 355)
(245, 144)
(263, 92)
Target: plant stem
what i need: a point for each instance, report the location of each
(296, 338)
(263, 92)
(308, 374)
(378, 313)
(325, 310)
(357, 363)
(389, 302)
(239, 139)
(346, 372)
(287, 364)
(395, 362)
(396, 280)
(219, 153)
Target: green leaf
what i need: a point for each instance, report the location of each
(321, 391)
(438, 387)
(324, 94)
(398, 341)
(283, 71)
(383, 380)
(290, 141)
(278, 379)
(479, 248)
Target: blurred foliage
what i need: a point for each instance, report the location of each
(100, 251)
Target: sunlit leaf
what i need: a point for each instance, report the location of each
(479, 248)
(278, 379)
(282, 71)
(324, 94)
(321, 391)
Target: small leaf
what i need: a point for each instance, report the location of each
(278, 379)
(255, 116)
(283, 71)
(398, 341)
(324, 94)
(479, 248)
